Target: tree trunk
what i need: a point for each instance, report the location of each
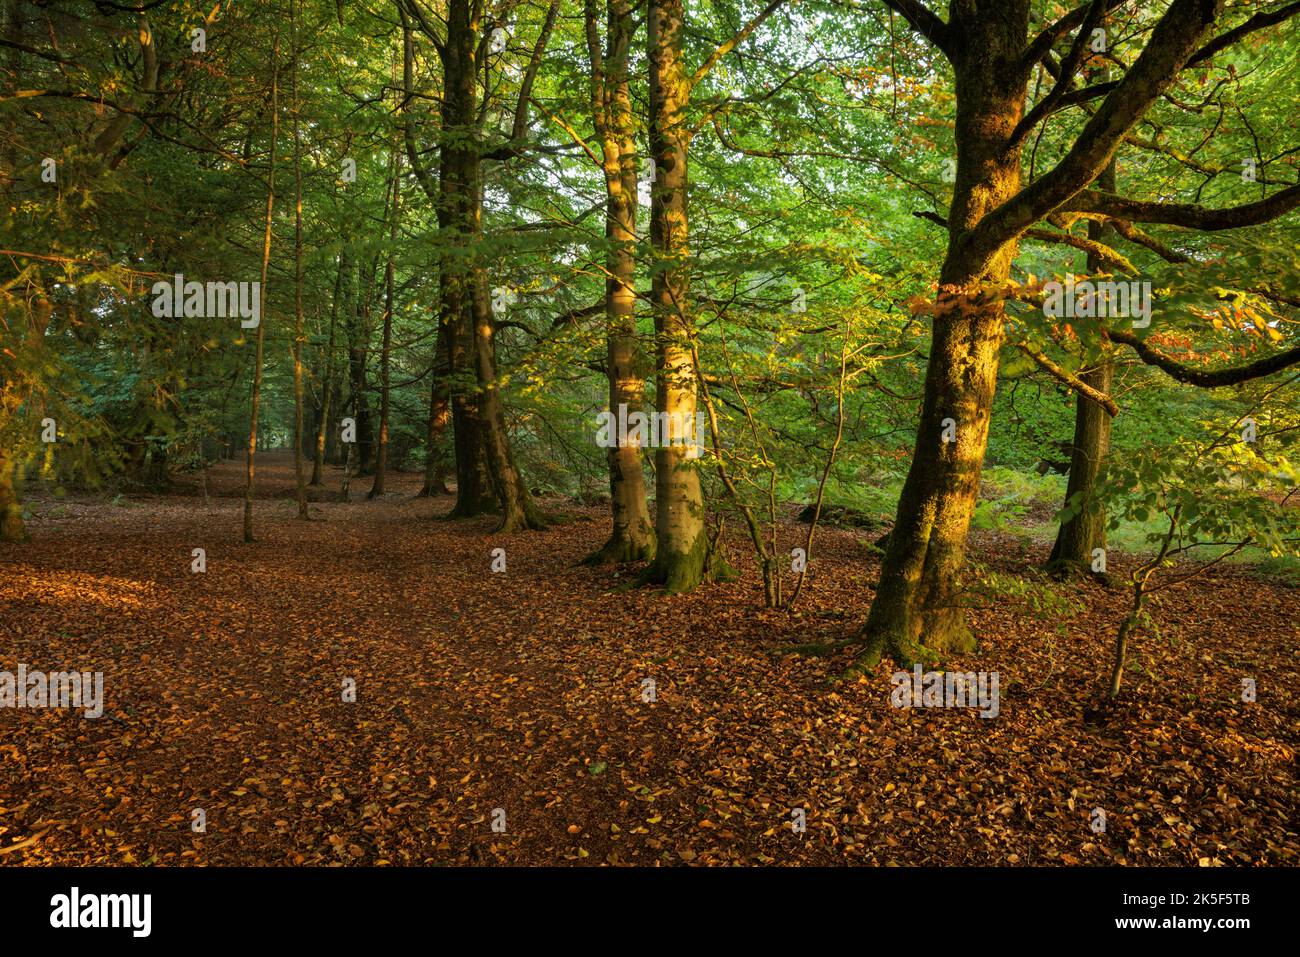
(682, 555)
(484, 463)
(518, 511)
(440, 412)
(299, 481)
(328, 387)
(1085, 531)
(381, 457)
(11, 511)
(261, 325)
(916, 614)
(633, 536)
(1121, 653)
(474, 495)
(358, 352)
(439, 416)
(458, 179)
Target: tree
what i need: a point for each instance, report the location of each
(683, 556)
(255, 401)
(916, 612)
(485, 468)
(633, 536)
(385, 352)
(1202, 513)
(298, 335)
(1084, 530)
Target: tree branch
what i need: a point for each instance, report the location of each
(520, 126)
(1042, 44)
(1217, 45)
(1188, 215)
(1106, 254)
(1258, 22)
(1103, 252)
(1172, 42)
(729, 45)
(921, 19)
(422, 174)
(1064, 77)
(1070, 379)
(1205, 378)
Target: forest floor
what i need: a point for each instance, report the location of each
(522, 691)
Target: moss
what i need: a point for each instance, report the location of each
(474, 507)
(622, 548)
(942, 633)
(521, 516)
(683, 571)
(11, 524)
(680, 571)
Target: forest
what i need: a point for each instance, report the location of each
(649, 432)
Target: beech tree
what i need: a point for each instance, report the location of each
(485, 467)
(632, 537)
(509, 218)
(255, 402)
(992, 54)
(683, 557)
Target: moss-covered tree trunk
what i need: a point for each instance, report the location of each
(452, 394)
(632, 537)
(518, 511)
(1085, 530)
(11, 510)
(474, 495)
(682, 551)
(459, 174)
(486, 477)
(917, 612)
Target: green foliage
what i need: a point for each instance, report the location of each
(1216, 490)
(1008, 496)
(1034, 593)
(817, 141)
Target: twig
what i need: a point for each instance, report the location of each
(26, 842)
